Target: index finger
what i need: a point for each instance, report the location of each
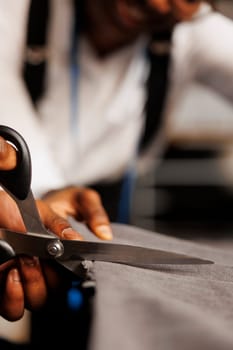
(94, 214)
(55, 223)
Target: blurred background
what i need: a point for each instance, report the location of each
(190, 192)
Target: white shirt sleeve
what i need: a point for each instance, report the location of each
(207, 45)
(16, 109)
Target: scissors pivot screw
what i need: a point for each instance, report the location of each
(55, 248)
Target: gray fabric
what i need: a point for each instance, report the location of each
(170, 307)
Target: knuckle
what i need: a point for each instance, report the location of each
(90, 195)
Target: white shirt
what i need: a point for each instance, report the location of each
(110, 111)
(110, 99)
(110, 104)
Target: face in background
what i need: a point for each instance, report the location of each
(110, 25)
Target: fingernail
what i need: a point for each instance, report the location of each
(104, 232)
(69, 233)
(14, 275)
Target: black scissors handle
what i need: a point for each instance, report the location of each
(17, 181)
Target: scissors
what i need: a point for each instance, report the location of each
(40, 242)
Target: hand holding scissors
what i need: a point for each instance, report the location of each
(26, 281)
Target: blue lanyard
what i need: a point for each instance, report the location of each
(125, 202)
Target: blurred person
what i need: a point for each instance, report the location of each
(109, 78)
(88, 126)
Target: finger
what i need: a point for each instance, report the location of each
(12, 296)
(34, 283)
(53, 276)
(10, 217)
(7, 264)
(8, 158)
(94, 213)
(63, 202)
(82, 204)
(58, 225)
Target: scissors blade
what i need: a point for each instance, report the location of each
(44, 246)
(124, 254)
(30, 215)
